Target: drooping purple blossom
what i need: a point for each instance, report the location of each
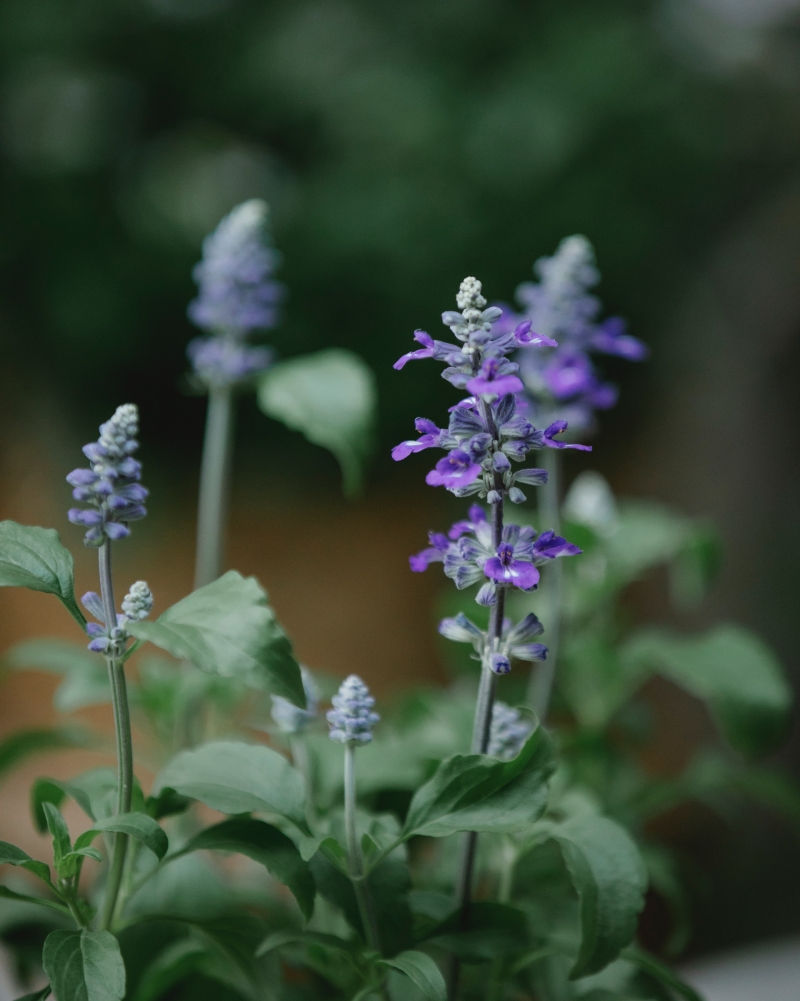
(564, 383)
(351, 720)
(110, 487)
(237, 295)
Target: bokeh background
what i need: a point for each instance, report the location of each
(402, 146)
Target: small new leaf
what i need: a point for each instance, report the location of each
(35, 558)
(228, 628)
(421, 969)
(137, 825)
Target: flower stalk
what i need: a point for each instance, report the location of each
(215, 478)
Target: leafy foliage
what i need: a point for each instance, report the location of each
(228, 628)
(331, 398)
(34, 558)
(84, 966)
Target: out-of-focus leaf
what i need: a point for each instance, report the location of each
(729, 668)
(478, 793)
(266, 845)
(422, 970)
(20, 745)
(662, 973)
(494, 930)
(610, 878)
(177, 961)
(331, 398)
(94, 792)
(84, 966)
(85, 674)
(35, 558)
(595, 680)
(54, 905)
(37, 995)
(11, 855)
(279, 939)
(237, 778)
(228, 628)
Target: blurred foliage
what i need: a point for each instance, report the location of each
(401, 147)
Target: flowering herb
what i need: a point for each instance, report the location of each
(487, 433)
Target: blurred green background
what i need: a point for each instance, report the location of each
(402, 146)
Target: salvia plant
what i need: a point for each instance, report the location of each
(450, 845)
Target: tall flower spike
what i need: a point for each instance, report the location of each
(564, 382)
(508, 733)
(110, 487)
(291, 718)
(351, 720)
(237, 295)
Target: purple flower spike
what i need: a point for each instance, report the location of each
(456, 470)
(236, 288)
(504, 569)
(496, 378)
(111, 486)
(556, 428)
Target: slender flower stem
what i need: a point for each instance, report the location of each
(483, 716)
(215, 475)
(354, 855)
(540, 686)
(122, 727)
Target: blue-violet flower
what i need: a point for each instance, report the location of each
(351, 720)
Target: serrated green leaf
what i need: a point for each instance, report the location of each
(266, 845)
(11, 855)
(238, 778)
(610, 878)
(477, 793)
(35, 558)
(421, 969)
(228, 628)
(732, 670)
(330, 397)
(137, 825)
(84, 966)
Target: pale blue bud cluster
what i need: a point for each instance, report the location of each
(351, 720)
(136, 605)
(111, 486)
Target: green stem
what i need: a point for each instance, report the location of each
(540, 686)
(215, 475)
(355, 858)
(122, 729)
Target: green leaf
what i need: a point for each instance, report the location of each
(477, 793)
(238, 778)
(279, 939)
(228, 628)
(34, 558)
(11, 855)
(733, 671)
(62, 845)
(137, 825)
(610, 879)
(420, 968)
(170, 966)
(94, 791)
(54, 905)
(266, 845)
(85, 674)
(22, 744)
(84, 966)
(661, 972)
(494, 930)
(37, 995)
(331, 398)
